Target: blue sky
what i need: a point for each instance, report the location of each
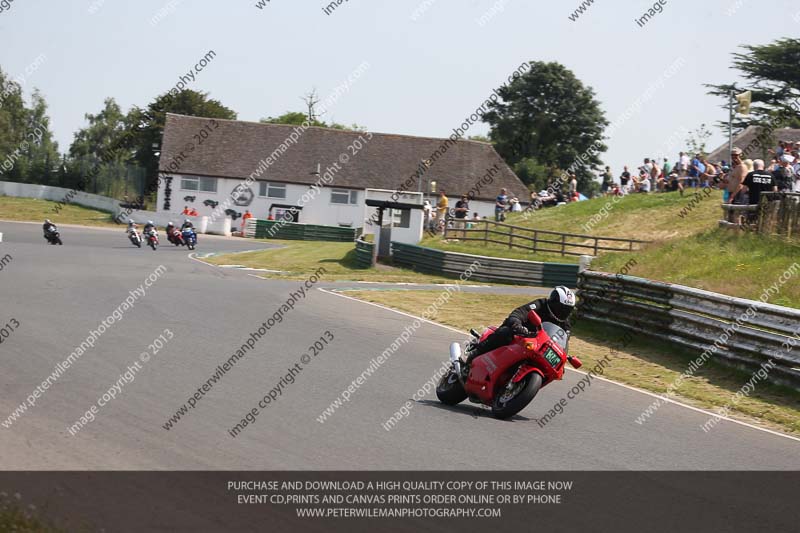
(425, 75)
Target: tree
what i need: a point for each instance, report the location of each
(696, 142)
(297, 118)
(550, 116)
(105, 131)
(770, 72)
(27, 150)
(146, 126)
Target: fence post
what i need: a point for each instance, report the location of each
(535, 240)
(511, 237)
(563, 243)
(595, 246)
(485, 232)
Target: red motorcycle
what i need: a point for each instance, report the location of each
(507, 378)
(176, 237)
(152, 239)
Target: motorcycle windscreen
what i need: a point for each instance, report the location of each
(558, 335)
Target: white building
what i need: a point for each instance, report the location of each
(317, 175)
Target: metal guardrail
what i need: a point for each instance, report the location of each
(696, 319)
(491, 269)
(534, 240)
(364, 253)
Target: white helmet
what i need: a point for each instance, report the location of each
(561, 302)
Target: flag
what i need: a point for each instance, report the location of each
(744, 100)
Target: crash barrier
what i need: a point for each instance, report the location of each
(735, 331)
(278, 229)
(364, 253)
(110, 205)
(535, 240)
(491, 269)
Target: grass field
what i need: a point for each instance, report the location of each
(648, 365)
(31, 209)
(298, 259)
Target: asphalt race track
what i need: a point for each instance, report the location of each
(59, 293)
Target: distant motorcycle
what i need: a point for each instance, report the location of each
(152, 239)
(53, 236)
(135, 237)
(190, 238)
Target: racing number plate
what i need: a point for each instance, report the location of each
(552, 357)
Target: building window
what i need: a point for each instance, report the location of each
(199, 184)
(401, 218)
(272, 190)
(344, 196)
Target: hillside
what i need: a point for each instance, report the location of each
(687, 246)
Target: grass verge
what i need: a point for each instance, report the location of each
(643, 363)
(34, 210)
(298, 259)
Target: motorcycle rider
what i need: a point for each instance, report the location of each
(169, 230)
(46, 227)
(150, 226)
(556, 309)
(187, 224)
(132, 229)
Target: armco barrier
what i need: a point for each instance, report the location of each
(491, 269)
(364, 253)
(272, 229)
(697, 319)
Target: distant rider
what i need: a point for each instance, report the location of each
(556, 309)
(150, 226)
(187, 224)
(46, 227)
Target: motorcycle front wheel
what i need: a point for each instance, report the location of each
(450, 391)
(515, 397)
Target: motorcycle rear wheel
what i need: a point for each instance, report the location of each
(449, 390)
(509, 402)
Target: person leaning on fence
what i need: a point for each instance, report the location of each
(461, 212)
(756, 182)
(441, 211)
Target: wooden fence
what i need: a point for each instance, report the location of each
(489, 231)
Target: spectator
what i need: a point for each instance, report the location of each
(666, 169)
(683, 165)
(758, 181)
(696, 169)
(247, 216)
(475, 218)
(500, 206)
(461, 212)
(784, 173)
(674, 183)
(516, 207)
(624, 179)
(655, 172)
(608, 181)
(185, 210)
(710, 175)
(735, 177)
(193, 212)
(441, 210)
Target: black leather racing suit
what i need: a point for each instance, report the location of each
(516, 324)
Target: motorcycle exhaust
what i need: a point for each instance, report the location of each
(455, 357)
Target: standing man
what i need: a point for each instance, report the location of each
(441, 210)
(500, 206)
(666, 169)
(624, 178)
(462, 210)
(608, 181)
(735, 178)
(683, 165)
(758, 181)
(247, 216)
